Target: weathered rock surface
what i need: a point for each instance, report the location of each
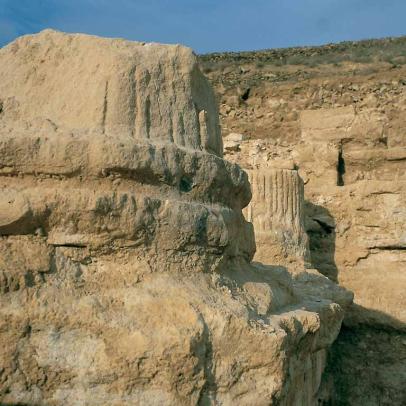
(125, 260)
(364, 189)
(145, 91)
(342, 125)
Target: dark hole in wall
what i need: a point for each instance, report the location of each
(340, 169)
(383, 140)
(185, 184)
(320, 227)
(246, 94)
(29, 279)
(148, 117)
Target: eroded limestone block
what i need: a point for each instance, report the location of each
(148, 91)
(124, 139)
(14, 212)
(327, 124)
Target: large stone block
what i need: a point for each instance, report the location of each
(327, 124)
(146, 91)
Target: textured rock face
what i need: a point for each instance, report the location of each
(146, 91)
(50, 133)
(327, 124)
(125, 260)
(365, 188)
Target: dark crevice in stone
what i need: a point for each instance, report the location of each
(70, 245)
(340, 168)
(185, 184)
(246, 94)
(390, 248)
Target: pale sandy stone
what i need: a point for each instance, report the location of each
(125, 260)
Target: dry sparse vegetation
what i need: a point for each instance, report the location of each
(392, 50)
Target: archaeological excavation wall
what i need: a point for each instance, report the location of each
(342, 127)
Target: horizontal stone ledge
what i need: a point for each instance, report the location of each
(199, 173)
(80, 217)
(362, 156)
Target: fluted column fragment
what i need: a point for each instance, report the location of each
(276, 211)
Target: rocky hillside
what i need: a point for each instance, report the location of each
(336, 114)
(261, 93)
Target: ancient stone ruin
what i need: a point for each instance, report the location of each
(277, 213)
(125, 259)
(342, 128)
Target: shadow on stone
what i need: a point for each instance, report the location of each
(320, 227)
(366, 363)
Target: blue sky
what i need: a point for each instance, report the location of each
(210, 25)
